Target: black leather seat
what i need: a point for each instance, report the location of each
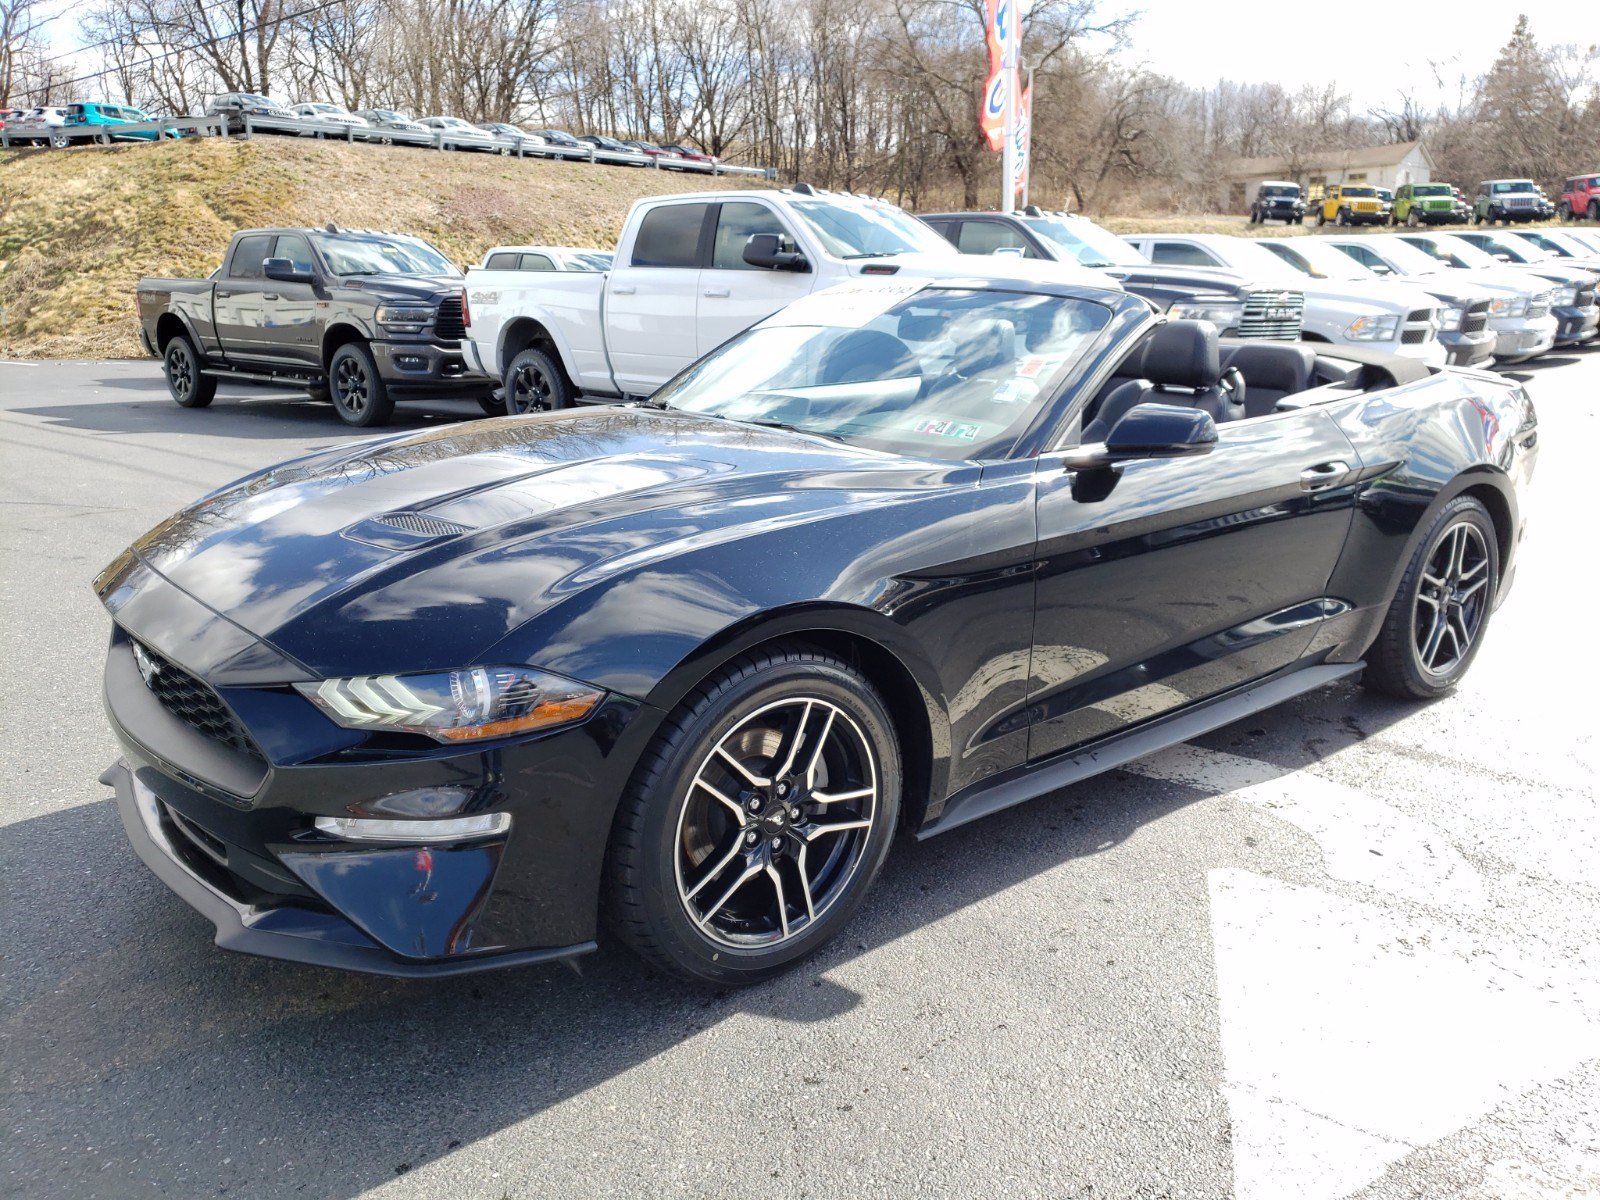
(866, 354)
(1181, 365)
(1271, 372)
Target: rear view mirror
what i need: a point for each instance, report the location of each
(284, 271)
(767, 250)
(1149, 431)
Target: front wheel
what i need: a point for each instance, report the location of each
(534, 383)
(1343, 218)
(1412, 220)
(756, 823)
(59, 141)
(1322, 218)
(181, 365)
(1437, 618)
(360, 397)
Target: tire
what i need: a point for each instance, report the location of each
(359, 396)
(386, 141)
(747, 844)
(1594, 210)
(1566, 212)
(1343, 217)
(180, 363)
(319, 392)
(535, 383)
(492, 405)
(1412, 220)
(59, 141)
(1254, 219)
(1454, 572)
(1322, 218)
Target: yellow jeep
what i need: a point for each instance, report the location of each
(1351, 204)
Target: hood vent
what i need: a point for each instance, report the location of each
(404, 530)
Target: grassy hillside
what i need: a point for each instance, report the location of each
(78, 229)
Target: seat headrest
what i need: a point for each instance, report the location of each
(1183, 354)
(1276, 368)
(862, 355)
(981, 344)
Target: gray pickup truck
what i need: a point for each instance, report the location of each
(356, 317)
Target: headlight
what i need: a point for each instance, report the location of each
(405, 318)
(1224, 314)
(1566, 296)
(1373, 329)
(454, 706)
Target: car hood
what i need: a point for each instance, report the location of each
(1391, 296)
(405, 287)
(1202, 280)
(448, 541)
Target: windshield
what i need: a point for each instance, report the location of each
(1513, 185)
(1520, 251)
(1244, 255)
(1280, 189)
(942, 373)
(1085, 243)
(1314, 257)
(1453, 252)
(1433, 189)
(867, 229)
(375, 254)
(1358, 191)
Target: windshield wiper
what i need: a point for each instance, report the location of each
(875, 254)
(772, 423)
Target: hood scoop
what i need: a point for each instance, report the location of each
(404, 530)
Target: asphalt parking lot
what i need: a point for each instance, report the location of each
(1344, 948)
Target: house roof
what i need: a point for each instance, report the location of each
(1332, 161)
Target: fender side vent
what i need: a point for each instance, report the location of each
(404, 530)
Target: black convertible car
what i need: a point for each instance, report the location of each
(903, 555)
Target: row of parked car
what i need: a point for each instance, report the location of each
(61, 125)
(1499, 201)
(540, 327)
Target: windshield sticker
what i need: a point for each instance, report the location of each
(1039, 364)
(1015, 391)
(963, 430)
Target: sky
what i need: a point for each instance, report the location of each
(1367, 54)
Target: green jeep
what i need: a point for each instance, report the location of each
(1427, 204)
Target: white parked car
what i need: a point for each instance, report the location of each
(546, 258)
(1519, 313)
(390, 120)
(673, 295)
(44, 123)
(1398, 320)
(512, 133)
(459, 133)
(330, 113)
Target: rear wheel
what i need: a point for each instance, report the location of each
(60, 141)
(1437, 618)
(181, 365)
(492, 404)
(534, 383)
(359, 395)
(757, 822)
(1594, 210)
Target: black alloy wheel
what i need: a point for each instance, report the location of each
(534, 384)
(1437, 618)
(758, 821)
(359, 395)
(181, 365)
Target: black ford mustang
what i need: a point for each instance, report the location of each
(900, 556)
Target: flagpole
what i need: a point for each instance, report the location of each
(1027, 176)
(1008, 156)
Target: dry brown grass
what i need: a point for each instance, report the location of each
(78, 229)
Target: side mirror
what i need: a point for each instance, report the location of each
(1148, 431)
(766, 250)
(284, 271)
(1502, 256)
(1007, 252)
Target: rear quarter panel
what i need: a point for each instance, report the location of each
(1420, 446)
(567, 303)
(189, 300)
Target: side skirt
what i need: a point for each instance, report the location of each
(1039, 779)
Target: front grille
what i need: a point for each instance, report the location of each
(1414, 337)
(192, 702)
(1520, 201)
(211, 847)
(450, 325)
(1476, 317)
(1273, 315)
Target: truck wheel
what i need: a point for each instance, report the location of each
(1343, 218)
(1566, 211)
(1594, 210)
(1322, 218)
(59, 141)
(534, 383)
(1411, 219)
(181, 365)
(360, 397)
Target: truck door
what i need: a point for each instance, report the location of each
(733, 295)
(239, 306)
(650, 299)
(293, 331)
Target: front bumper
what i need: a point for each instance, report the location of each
(1576, 325)
(432, 368)
(1468, 349)
(1520, 337)
(288, 931)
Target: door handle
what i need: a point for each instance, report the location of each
(717, 291)
(1323, 476)
(224, 295)
(627, 290)
(269, 295)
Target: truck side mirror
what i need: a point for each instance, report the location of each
(284, 271)
(766, 250)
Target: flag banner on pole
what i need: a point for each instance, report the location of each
(1021, 144)
(1000, 35)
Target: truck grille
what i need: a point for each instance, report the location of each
(1418, 328)
(192, 702)
(450, 325)
(1414, 337)
(1476, 317)
(1519, 201)
(1273, 315)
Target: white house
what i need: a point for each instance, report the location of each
(1378, 166)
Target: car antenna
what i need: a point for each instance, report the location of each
(331, 228)
(1033, 210)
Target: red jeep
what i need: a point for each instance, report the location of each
(1581, 198)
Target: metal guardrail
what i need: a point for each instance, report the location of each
(248, 125)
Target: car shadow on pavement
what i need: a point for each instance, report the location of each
(125, 1026)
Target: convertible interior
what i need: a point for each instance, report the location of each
(1186, 363)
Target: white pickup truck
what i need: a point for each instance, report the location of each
(690, 272)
